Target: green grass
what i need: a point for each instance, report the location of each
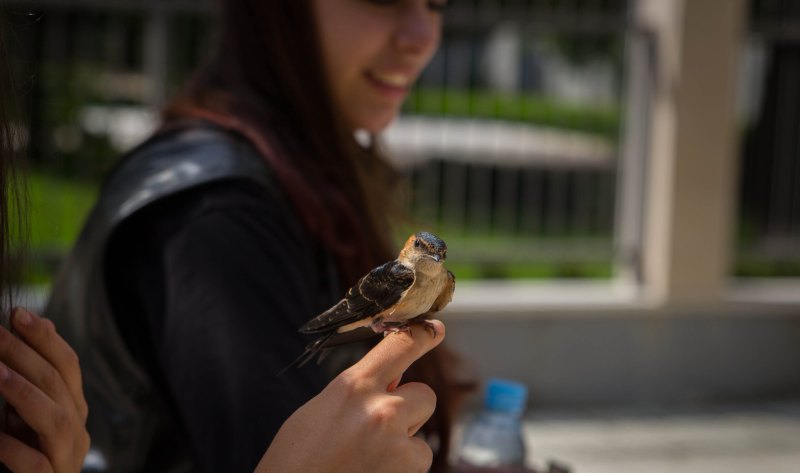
(57, 207)
(527, 108)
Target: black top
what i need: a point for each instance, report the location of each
(209, 287)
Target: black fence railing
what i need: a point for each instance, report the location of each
(769, 213)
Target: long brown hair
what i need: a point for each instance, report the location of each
(13, 220)
(266, 81)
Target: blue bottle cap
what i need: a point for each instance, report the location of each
(504, 395)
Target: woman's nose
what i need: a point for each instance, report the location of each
(418, 29)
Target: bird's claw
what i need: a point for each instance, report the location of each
(397, 327)
(423, 320)
(430, 328)
(387, 329)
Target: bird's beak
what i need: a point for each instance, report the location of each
(436, 258)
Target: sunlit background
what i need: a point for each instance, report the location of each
(618, 183)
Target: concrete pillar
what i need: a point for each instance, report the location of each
(693, 151)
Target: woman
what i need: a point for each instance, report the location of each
(248, 213)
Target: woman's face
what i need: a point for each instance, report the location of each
(373, 52)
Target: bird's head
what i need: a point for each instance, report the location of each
(423, 248)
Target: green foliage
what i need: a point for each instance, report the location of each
(529, 108)
(531, 270)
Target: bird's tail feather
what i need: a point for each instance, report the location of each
(312, 349)
(323, 345)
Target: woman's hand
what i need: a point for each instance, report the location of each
(41, 379)
(364, 420)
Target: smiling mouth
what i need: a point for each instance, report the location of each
(398, 81)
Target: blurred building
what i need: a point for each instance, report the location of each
(618, 181)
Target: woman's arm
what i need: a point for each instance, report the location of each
(41, 379)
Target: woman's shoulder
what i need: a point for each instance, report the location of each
(182, 160)
(185, 156)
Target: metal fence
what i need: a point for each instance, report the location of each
(511, 137)
(510, 140)
(769, 206)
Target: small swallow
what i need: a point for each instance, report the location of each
(409, 289)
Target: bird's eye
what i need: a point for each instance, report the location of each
(417, 244)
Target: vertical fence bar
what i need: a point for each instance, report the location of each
(156, 54)
(631, 168)
(455, 197)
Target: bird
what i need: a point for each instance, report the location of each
(404, 291)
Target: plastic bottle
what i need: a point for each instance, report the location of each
(494, 438)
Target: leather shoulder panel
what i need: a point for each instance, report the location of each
(175, 162)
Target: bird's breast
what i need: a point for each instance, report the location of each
(418, 299)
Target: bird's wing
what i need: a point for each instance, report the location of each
(446, 295)
(378, 290)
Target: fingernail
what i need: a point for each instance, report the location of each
(23, 317)
(4, 373)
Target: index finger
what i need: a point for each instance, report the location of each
(390, 358)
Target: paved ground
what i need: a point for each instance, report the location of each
(764, 438)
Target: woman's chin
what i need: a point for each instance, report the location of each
(376, 122)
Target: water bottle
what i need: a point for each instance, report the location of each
(494, 438)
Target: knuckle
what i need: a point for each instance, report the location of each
(349, 383)
(84, 442)
(25, 391)
(50, 380)
(346, 380)
(382, 414)
(420, 455)
(426, 392)
(61, 421)
(49, 325)
(426, 460)
(422, 393)
(9, 344)
(40, 464)
(422, 389)
(83, 410)
(339, 386)
(49, 331)
(71, 357)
